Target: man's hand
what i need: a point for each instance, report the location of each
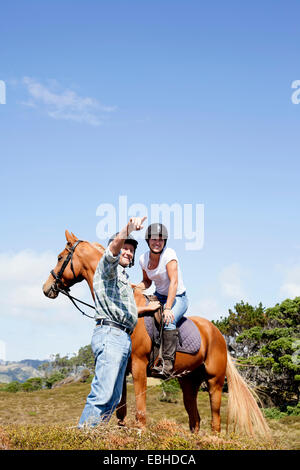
(153, 305)
(135, 223)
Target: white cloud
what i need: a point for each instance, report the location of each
(22, 276)
(231, 282)
(65, 104)
(25, 265)
(291, 283)
(207, 308)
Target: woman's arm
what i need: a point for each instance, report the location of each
(172, 271)
(146, 282)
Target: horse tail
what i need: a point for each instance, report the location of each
(243, 411)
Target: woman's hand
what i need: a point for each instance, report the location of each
(168, 316)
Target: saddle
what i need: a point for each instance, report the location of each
(188, 342)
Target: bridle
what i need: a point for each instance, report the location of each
(58, 277)
(58, 285)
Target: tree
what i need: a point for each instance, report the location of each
(244, 316)
(267, 345)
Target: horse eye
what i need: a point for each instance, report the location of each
(59, 258)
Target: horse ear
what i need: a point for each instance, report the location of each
(69, 237)
(74, 236)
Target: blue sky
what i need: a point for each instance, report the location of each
(185, 102)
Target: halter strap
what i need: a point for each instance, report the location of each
(58, 279)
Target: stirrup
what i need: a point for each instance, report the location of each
(157, 371)
(160, 373)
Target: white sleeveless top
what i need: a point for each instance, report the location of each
(159, 275)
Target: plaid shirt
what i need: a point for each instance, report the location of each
(114, 298)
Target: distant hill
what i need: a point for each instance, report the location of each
(20, 371)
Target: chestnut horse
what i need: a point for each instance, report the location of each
(211, 364)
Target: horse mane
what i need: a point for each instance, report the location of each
(98, 247)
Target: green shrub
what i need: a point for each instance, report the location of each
(13, 387)
(245, 316)
(260, 361)
(170, 390)
(254, 334)
(35, 383)
(276, 413)
(55, 377)
(273, 413)
(293, 410)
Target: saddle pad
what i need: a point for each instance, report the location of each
(189, 334)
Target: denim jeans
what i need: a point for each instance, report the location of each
(112, 349)
(179, 307)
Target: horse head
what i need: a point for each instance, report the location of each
(68, 270)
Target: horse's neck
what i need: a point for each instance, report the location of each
(89, 260)
(139, 297)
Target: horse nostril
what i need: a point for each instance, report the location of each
(50, 292)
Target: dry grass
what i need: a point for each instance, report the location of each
(47, 419)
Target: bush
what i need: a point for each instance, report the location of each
(276, 413)
(33, 384)
(273, 413)
(170, 390)
(293, 410)
(245, 316)
(55, 377)
(254, 334)
(13, 387)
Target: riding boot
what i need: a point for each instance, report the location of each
(169, 343)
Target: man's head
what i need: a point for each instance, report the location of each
(127, 252)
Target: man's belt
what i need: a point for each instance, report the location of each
(115, 325)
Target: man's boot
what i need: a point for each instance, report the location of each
(169, 342)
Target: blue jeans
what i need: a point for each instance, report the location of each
(112, 349)
(179, 307)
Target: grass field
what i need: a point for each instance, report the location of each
(47, 419)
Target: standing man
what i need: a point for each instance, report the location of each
(116, 316)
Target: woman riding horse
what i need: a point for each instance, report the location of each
(160, 265)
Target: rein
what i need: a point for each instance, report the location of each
(65, 292)
(64, 289)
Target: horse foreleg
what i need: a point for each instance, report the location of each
(121, 409)
(139, 375)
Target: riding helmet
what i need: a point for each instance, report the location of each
(156, 230)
